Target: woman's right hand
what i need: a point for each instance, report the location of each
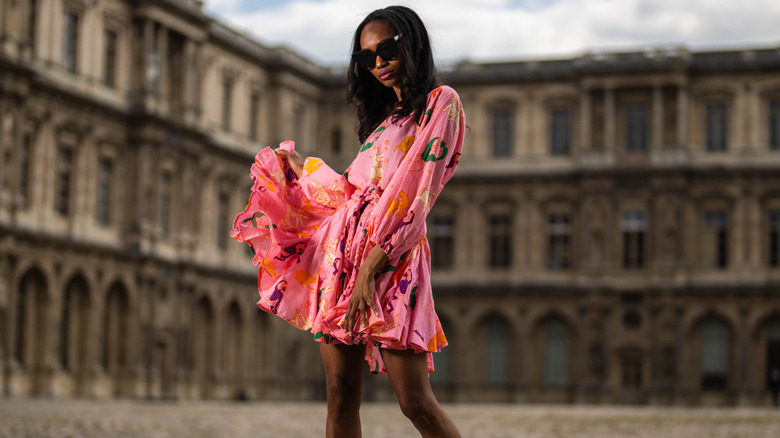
(293, 160)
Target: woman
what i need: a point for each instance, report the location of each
(345, 255)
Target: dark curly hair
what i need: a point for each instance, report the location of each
(375, 102)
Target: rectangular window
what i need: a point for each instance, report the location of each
(500, 241)
(165, 203)
(335, 140)
(717, 127)
(503, 135)
(560, 132)
(631, 369)
(153, 61)
(774, 125)
(254, 113)
(70, 41)
(64, 180)
(176, 71)
(442, 242)
(596, 362)
(637, 128)
(110, 61)
(715, 240)
(668, 365)
(25, 159)
(559, 237)
(299, 120)
(227, 102)
(223, 226)
(774, 238)
(633, 226)
(103, 202)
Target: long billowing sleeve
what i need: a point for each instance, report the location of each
(324, 186)
(399, 216)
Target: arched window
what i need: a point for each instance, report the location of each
(203, 338)
(116, 323)
(772, 346)
(496, 365)
(234, 348)
(73, 325)
(20, 350)
(442, 359)
(714, 354)
(30, 327)
(556, 353)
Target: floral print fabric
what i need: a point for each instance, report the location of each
(311, 234)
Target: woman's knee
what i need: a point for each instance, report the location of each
(343, 393)
(417, 406)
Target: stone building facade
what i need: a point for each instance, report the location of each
(612, 234)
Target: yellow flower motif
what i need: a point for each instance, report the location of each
(268, 266)
(311, 166)
(405, 145)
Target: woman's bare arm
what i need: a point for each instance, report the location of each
(363, 293)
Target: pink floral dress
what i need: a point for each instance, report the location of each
(310, 235)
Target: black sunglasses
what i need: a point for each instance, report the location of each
(387, 49)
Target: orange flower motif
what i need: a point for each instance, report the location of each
(399, 205)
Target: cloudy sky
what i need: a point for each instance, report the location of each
(496, 30)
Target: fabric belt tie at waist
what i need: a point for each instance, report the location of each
(367, 194)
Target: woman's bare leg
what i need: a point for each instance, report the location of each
(408, 372)
(344, 383)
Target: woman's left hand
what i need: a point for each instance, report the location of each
(293, 160)
(363, 292)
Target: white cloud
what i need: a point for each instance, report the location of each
(222, 5)
(504, 29)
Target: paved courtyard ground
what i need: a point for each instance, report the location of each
(23, 418)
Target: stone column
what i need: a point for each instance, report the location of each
(682, 385)
(682, 117)
(527, 248)
(5, 312)
(753, 119)
(744, 365)
(656, 139)
(8, 148)
(464, 225)
(609, 119)
(581, 378)
(738, 116)
(586, 116)
(479, 121)
(474, 219)
(148, 45)
(753, 241)
(740, 227)
(163, 77)
(189, 92)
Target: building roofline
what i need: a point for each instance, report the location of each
(650, 59)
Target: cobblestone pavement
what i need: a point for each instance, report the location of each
(24, 418)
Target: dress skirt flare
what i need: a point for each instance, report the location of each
(310, 235)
